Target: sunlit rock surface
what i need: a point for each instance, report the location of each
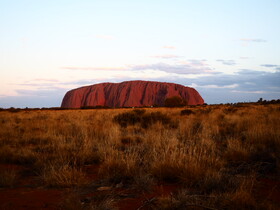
(129, 94)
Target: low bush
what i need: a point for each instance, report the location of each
(187, 112)
(128, 118)
(175, 101)
(145, 120)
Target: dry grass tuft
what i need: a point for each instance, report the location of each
(63, 176)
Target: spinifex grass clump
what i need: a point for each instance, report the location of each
(145, 120)
(187, 112)
(129, 118)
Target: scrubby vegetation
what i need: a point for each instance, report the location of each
(144, 120)
(218, 156)
(175, 101)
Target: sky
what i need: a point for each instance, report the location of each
(228, 50)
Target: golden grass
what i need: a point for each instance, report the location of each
(209, 150)
(63, 176)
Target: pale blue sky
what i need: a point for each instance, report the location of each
(228, 50)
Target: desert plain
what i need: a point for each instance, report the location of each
(192, 157)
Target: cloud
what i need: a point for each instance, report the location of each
(36, 84)
(94, 68)
(242, 91)
(250, 83)
(166, 56)
(41, 92)
(247, 80)
(179, 67)
(244, 57)
(196, 62)
(216, 86)
(227, 62)
(169, 47)
(45, 80)
(276, 67)
(244, 85)
(39, 83)
(273, 66)
(184, 68)
(269, 65)
(42, 87)
(252, 40)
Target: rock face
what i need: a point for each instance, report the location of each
(129, 94)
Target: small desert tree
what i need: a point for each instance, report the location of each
(175, 101)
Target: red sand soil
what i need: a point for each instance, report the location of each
(27, 198)
(145, 200)
(269, 189)
(28, 192)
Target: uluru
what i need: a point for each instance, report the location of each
(129, 94)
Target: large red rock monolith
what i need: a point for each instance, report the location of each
(129, 94)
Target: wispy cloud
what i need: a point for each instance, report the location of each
(249, 83)
(252, 40)
(45, 80)
(181, 67)
(41, 83)
(244, 91)
(169, 47)
(196, 63)
(32, 87)
(227, 62)
(270, 65)
(41, 92)
(231, 86)
(184, 68)
(166, 56)
(94, 68)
